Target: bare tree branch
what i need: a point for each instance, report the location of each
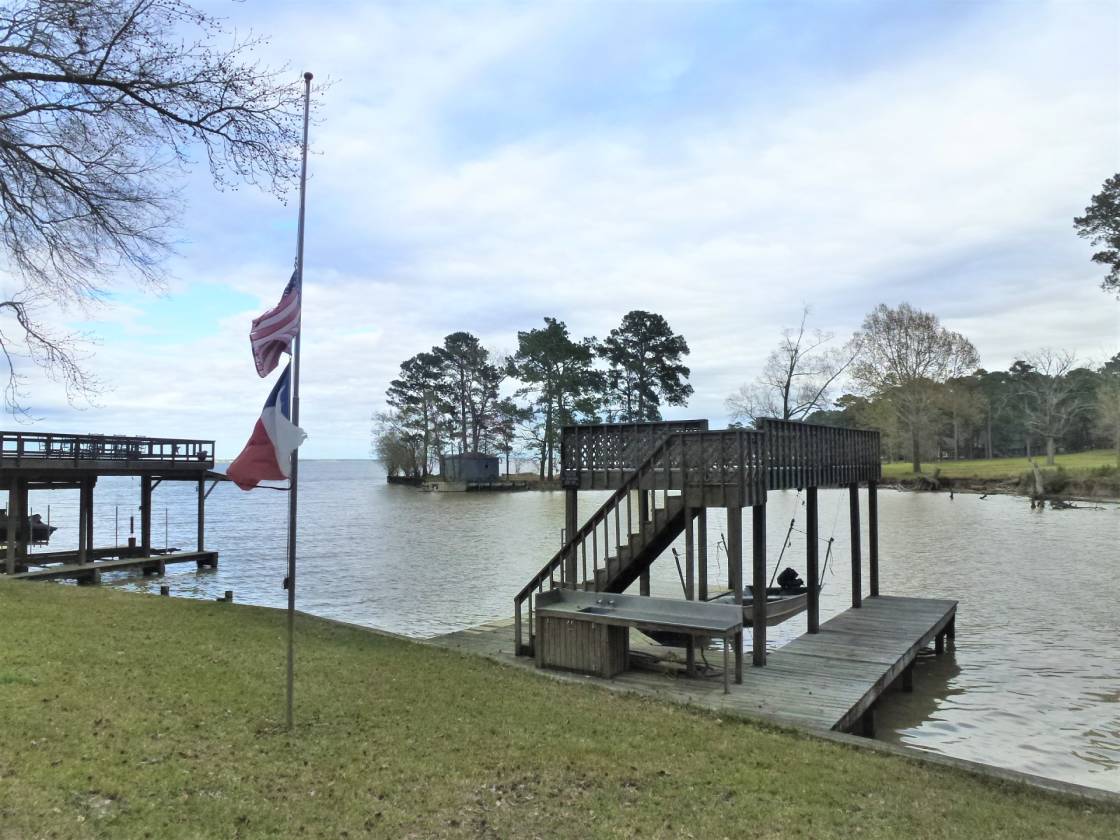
(102, 106)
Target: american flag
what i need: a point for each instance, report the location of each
(272, 333)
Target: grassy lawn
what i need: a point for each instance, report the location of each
(1076, 462)
(125, 715)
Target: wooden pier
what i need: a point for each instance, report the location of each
(665, 478)
(832, 679)
(90, 572)
(48, 461)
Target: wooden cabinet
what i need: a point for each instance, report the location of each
(588, 647)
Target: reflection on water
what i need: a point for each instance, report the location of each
(1033, 682)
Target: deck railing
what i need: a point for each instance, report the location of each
(811, 455)
(606, 453)
(21, 447)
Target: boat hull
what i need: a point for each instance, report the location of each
(780, 606)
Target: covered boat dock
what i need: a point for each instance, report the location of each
(48, 461)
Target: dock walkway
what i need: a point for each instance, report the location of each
(90, 572)
(828, 680)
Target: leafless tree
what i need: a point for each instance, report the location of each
(797, 376)
(905, 357)
(1050, 398)
(102, 105)
(1108, 411)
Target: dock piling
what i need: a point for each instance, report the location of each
(812, 555)
(857, 561)
(758, 587)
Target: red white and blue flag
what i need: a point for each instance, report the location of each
(268, 454)
(273, 332)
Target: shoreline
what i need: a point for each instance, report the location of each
(1085, 489)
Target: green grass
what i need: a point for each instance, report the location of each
(1005, 468)
(125, 715)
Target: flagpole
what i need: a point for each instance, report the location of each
(296, 344)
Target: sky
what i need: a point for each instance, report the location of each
(481, 166)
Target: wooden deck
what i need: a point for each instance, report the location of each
(91, 572)
(828, 680)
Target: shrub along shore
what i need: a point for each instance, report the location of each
(124, 715)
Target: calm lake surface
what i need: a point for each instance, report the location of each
(1033, 683)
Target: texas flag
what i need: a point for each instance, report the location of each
(268, 454)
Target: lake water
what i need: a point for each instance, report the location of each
(1032, 684)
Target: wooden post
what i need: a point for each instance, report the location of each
(867, 723)
(83, 522)
(873, 536)
(24, 526)
(690, 581)
(146, 516)
(201, 514)
(643, 526)
(758, 586)
(702, 554)
(857, 562)
(13, 518)
(91, 482)
(571, 525)
(812, 565)
(735, 574)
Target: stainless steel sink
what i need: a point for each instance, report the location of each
(597, 610)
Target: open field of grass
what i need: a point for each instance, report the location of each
(1005, 468)
(125, 715)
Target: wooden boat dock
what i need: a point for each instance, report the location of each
(90, 572)
(832, 679)
(48, 461)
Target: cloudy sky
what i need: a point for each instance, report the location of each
(480, 166)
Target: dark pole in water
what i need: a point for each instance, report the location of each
(857, 560)
(758, 588)
(812, 554)
(873, 537)
(292, 493)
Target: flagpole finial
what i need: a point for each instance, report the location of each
(307, 77)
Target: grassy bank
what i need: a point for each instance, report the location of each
(1006, 468)
(1092, 474)
(136, 716)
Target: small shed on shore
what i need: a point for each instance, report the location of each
(470, 466)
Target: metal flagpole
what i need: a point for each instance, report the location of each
(292, 493)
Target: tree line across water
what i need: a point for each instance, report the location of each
(918, 383)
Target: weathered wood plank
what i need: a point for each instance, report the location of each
(827, 680)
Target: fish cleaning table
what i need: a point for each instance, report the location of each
(589, 631)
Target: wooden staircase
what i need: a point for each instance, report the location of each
(619, 541)
(641, 549)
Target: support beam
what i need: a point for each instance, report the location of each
(758, 585)
(201, 514)
(873, 536)
(24, 524)
(146, 516)
(690, 581)
(643, 525)
(702, 553)
(571, 525)
(90, 484)
(857, 561)
(812, 560)
(13, 518)
(735, 574)
(83, 523)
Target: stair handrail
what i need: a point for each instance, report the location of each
(593, 522)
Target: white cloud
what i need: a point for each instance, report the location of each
(946, 176)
